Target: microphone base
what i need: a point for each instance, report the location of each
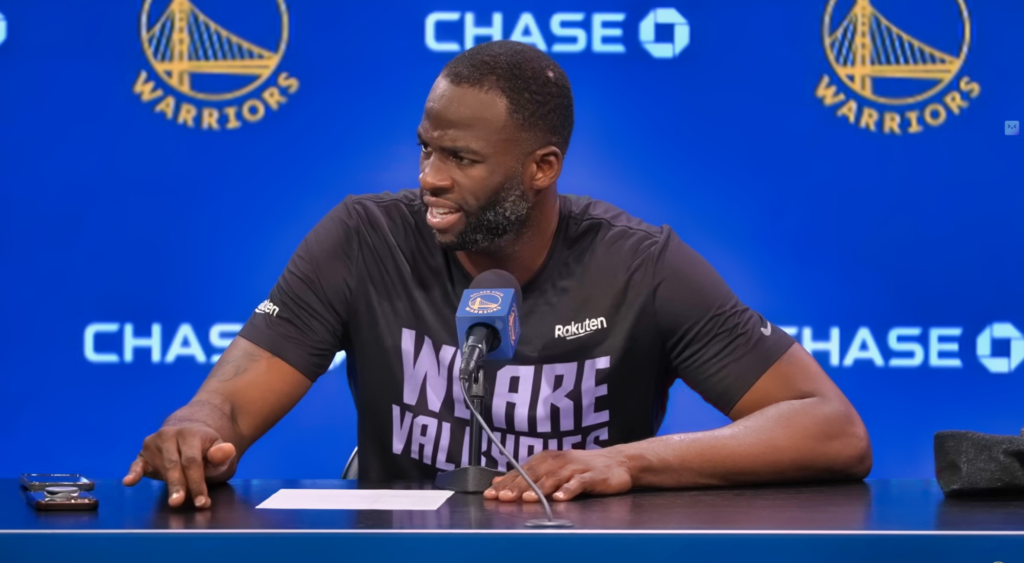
(548, 524)
(472, 479)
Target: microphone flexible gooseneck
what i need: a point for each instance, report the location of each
(550, 522)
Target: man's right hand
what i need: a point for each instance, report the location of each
(247, 392)
(186, 457)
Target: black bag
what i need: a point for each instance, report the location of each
(975, 464)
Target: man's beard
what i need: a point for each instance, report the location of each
(497, 222)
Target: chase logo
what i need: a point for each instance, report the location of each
(999, 346)
(663, 32)
(998, 363)
(483, 302)
(3, 29)
(204, 57)
(897, 67)
(680, 33)
(127, 343)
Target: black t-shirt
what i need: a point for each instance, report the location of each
(616, 313)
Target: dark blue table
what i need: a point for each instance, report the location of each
(903, 520)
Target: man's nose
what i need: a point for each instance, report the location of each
(433, 176)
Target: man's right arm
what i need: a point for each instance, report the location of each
(246, 393)
(285, 345)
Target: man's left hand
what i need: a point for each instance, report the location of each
(563, 475)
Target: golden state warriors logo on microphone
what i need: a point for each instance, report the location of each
(215, 66)
(483, 302)
(900, 61)
(513, 325)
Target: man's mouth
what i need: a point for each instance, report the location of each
(442, 218)
(441, 215)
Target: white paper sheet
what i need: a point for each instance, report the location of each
(349, 499)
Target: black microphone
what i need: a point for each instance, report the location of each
(488, 324)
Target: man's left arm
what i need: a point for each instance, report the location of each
(793, 425)
(789, 420)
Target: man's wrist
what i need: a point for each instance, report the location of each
(191, 416)
(636, 458)
(216, 417)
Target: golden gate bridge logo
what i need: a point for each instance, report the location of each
(184, 45)
(486, 301)
(866, 50)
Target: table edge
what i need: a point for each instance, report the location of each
(544, 532)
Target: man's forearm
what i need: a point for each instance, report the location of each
(807, 439)
(213, 405)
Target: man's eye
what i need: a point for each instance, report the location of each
(460, 159)
(423, 147)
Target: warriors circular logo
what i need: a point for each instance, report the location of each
(909, 60)
(483, 302)
(222, 60)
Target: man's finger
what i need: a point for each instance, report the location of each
(191, 448)
(504, 481)
(575, 486)
(536, 468)
(507, 492)
(498, 484)
(135, 472)
(547, 485)
(176, 484)
(220, 454)
(509, 478)
(515, 489)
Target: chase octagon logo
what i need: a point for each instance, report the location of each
(902, 75)
(999, 363)
(219, 76)
(483, 302)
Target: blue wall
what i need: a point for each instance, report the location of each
(900, 247)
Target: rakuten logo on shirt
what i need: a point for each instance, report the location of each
(576, 330)
(268, 307)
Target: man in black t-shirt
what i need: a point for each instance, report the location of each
(613, 311)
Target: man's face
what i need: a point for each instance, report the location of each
(471, 168)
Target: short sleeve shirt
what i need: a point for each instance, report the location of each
(618, 311)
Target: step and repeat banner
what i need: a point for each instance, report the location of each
(853, 168)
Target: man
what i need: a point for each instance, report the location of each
(613, 311)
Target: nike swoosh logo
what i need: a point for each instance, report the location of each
(766, 330)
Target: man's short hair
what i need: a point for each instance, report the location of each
(536, 90)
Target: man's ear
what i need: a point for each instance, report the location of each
(547, 167)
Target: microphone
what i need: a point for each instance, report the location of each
(488, 320)
(488, 325)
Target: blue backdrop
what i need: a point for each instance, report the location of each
(846, 165)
